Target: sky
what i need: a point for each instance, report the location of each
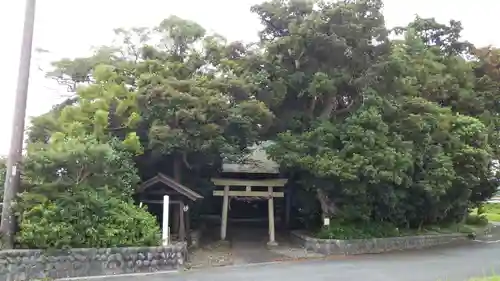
(70, 28)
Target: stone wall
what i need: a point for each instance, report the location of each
(375, 245)
(22, 265)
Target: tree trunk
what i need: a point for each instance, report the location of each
(177, 169)
(330, 104)
(328, 208)
(311, 108)
(177, 225)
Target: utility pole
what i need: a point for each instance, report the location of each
(13, 176)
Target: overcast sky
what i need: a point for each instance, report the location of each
(69, 28)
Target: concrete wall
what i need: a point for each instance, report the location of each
(38, 264)
(375, 245)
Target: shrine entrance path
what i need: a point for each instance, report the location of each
(249, 245)
(246, 245)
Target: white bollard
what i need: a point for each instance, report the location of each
(165, 228)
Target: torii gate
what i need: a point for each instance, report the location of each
(271, 184)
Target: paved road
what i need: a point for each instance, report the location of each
(448, 263)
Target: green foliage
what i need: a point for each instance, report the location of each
(489, 278)
(79, 195)
(481, 210)
(340, 229)
(191, 115)
(493, 217)
(403, 132)
(157, 93)
(72, 164)
(317, 59)
(490, 211)
(416, 151)
(476, 220)
(96, 221)
(361, 230)
(490, 208)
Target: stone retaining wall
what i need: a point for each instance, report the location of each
(375, 245)
(22, 265)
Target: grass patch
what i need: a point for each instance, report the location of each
(489, 211)
(493, 217)
(366, 230)
(489, 278)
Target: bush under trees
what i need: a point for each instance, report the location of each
(79, 195)
(95, 221)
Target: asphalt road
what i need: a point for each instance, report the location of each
(447, 263)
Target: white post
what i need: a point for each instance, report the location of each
(225, 207)
(165, 228)
(270, 206)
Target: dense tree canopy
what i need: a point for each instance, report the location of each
(401, 131)
(414, 153)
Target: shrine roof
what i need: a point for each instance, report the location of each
(257, 162)
(170, 183)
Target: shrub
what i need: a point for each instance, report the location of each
(479, 220)
(359, 230)
(98, 221)
(490, 211)
(342, 229)
(481, 209)
(78, 196)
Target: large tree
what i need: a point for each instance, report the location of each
(319, 57)
(416, 149)
(171, 102)
(193, 109)
(172, 86)
(320, 60)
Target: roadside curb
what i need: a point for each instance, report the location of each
(117, 275)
